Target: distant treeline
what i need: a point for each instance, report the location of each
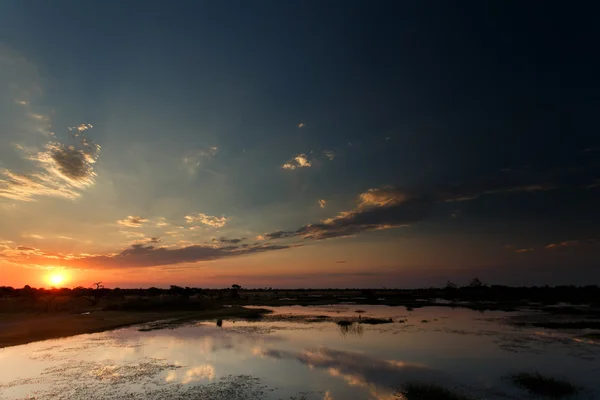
(474, 291)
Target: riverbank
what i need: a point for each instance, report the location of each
(23, 328)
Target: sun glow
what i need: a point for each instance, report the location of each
(56, 278)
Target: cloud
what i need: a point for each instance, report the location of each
(60, 171)
(80, 128)
(301, 125)
(162, 222)
(300, 161)
(377, 209)
(524, 250)
(215, 222)
(391, 207)
(322, 203)
(223, 239)
(329, 154)
(132, 221)
(32, 236)
(35, 161)
(341, 262)
(568, 243)
(140, 255)
(195, 160)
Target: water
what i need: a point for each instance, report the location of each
(286, 357)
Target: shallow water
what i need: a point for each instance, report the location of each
(285, 357)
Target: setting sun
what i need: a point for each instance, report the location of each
(56, 278)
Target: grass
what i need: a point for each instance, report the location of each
(375, 321)
(426, 391)
(367, 321)
(544, 386)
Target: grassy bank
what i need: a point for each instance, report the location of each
(16, 329)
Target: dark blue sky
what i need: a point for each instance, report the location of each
(474, 126)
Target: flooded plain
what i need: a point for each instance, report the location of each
(302, 353)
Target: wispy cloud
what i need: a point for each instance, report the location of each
(62, 171)
(300, 161)
(140, 255)
(377, 209)
(329, 154)
(223, 239)
(195, 160)
(132, 221)
(42, 164)
(391, 207)
(301, 125)
(215, 222)
(568, 243)
(524, 250)
(161, 222)
(322, 203)
(32, 236)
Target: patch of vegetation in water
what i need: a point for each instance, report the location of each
(367, 321)
(427, 391)
(375, 321)
(544, 386)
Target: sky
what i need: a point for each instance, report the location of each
(298, 143)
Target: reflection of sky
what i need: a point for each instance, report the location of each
(455, 347)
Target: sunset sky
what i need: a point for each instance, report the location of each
(298, 143)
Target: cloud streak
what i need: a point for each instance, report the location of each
(215, 222)
(194, 161)
(377, 209)
(132, 221)
(391, 207)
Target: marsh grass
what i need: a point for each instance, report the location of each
(427, 391)
(544, 386)
(367, 321)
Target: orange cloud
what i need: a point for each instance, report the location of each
(132, 221)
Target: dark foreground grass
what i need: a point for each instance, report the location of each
(544, 386)
(426, 391)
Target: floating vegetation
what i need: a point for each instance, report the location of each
(375, 321)
(544, 386)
